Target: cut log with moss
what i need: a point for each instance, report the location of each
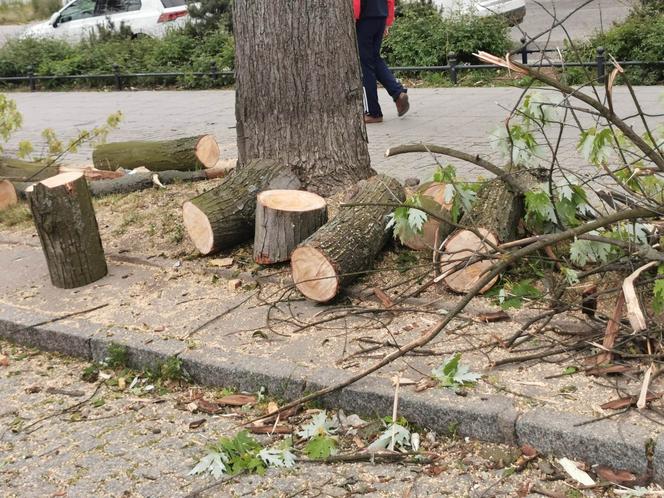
(23, 171)
(284, 218)
(224, 216)
(65, 220)
(434, 231)
(348, 244)
(495, 217)
(181, 154)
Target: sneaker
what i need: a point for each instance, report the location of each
(369, 119)
(402, 104)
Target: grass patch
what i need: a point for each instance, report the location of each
(19, 12)
(15, 216)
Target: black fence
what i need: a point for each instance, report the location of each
(120, 80)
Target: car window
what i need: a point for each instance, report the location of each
(173, 3)
(105, 7)
(80, 9)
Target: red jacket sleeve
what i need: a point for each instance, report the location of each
(390, 12)
(356, 7)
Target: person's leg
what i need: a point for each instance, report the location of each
(366, 34)
(382, 72)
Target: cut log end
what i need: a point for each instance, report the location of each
(291, 200)
(457, 249)
(8, 196)
(198, 227)
(207, 151)
(61, 179)
(313, 274)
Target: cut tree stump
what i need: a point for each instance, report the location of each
(181, 154)
(348, 244)
(284, 218)
(22, 171)
(224, 216)
(62, 210)
(433, 231)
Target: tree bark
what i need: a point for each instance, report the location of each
(23, 171)
(349, 243)
(224, 216)
(181, 154)
(299, 91)
(62, 210)
(284, 218)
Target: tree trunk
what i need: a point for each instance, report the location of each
(347, 244)
(299, 91)
(433, 231)
(224, 216)
(181, 154)
(284, 218)
(23, 171)
(62, 210)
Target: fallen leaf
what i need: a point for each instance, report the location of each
(434, 470)
(575, 472)
(196, 423)
(204, 406)
(493, 316)
(615, 476)
(272, 407)
(620, 403)
(237, 400)
(528, 451)
(122, 383)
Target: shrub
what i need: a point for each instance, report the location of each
(422, 37)
(638, 37)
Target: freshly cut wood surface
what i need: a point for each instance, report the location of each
(348, 244)
(8, 195)
(284, 218)
(65, 220)
(458, 248)
(182, 154)
(225, 215)
(433, 199)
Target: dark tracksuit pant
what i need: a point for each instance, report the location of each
(370, 32)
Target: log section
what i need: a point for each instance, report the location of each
(433, 200)
(347, 244)
(22, 171)
(62, 210)
(181, 154)
(455, 271)
(284, 218)
(224, 216)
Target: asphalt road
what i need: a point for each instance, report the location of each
(596, 16)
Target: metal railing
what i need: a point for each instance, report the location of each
(118, 79)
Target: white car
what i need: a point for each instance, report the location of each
(78, 18)
(514, 10)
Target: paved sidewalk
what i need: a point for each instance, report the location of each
(455, 117)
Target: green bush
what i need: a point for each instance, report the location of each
(422, 37)
(179, 51)
(638, 38)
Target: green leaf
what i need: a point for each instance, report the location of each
(445, 174)
(570, 370)
(453, 374)
(320, 447)
(395, 436)
(24, 149)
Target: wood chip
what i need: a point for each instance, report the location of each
(620, 403)
(383, 297)
(237, 400)
(234, 284)
(197, 423)
(575, 472)
(221, 262)
(615, 476)
(634, 312)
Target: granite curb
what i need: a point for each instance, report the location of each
(486, 418)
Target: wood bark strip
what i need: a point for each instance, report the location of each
(65, 220)
(284, 218)
(348, 244)
(182, 154)
(224, 216)
(634, 312)
(299, 90)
